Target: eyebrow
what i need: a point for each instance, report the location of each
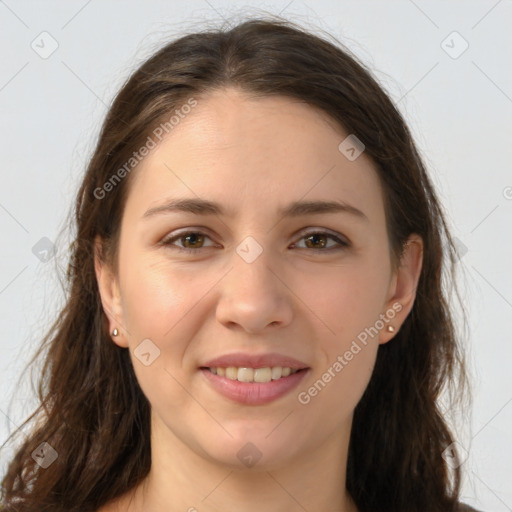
(199, 206)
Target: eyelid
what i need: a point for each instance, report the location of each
(166, 241)
(342, 241)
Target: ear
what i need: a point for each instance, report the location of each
(403, 285)
(110, 295)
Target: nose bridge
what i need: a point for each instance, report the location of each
(258, 274)
(252, 295)
(253, 275)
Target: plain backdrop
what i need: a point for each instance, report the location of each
(446, 66)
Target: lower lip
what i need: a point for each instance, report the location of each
(254, 393)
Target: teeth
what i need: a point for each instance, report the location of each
(245, 374)
(253, 374)
(232, 373)
(262, 375)
(277, 372)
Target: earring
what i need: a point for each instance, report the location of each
(390, 328)
(115, 332)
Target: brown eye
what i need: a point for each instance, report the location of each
(318, 240)
(190, 241)
(193, 240)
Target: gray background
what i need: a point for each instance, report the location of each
(459, 108)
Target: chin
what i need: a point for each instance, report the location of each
(253, 449)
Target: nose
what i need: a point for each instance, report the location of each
(254, 296)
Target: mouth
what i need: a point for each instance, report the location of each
(253, 386)
(261, 375)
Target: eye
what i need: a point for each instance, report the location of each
(317, 240)
(192, 241)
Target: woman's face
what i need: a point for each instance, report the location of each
(314, 284)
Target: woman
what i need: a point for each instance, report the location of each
(255, 319)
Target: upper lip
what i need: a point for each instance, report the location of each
(241, 360)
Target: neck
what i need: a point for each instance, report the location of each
(191, 481)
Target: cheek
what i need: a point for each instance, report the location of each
(334, 393)
(346, 298)
(159, 306)
(349, 306)
(156, 297)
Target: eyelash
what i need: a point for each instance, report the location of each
(168, 242)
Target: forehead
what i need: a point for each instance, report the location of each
(249, 152)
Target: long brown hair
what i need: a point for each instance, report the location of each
(93, 412)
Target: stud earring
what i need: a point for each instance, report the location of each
(390, 328)
(115, 332)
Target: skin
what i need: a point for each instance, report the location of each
(252, 156)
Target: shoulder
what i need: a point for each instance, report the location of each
(466, 508)
(109, 507)
(119, 504)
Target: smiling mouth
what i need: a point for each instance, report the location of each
(254, 375)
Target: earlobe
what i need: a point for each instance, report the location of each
(110, 296)
(403, 287)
